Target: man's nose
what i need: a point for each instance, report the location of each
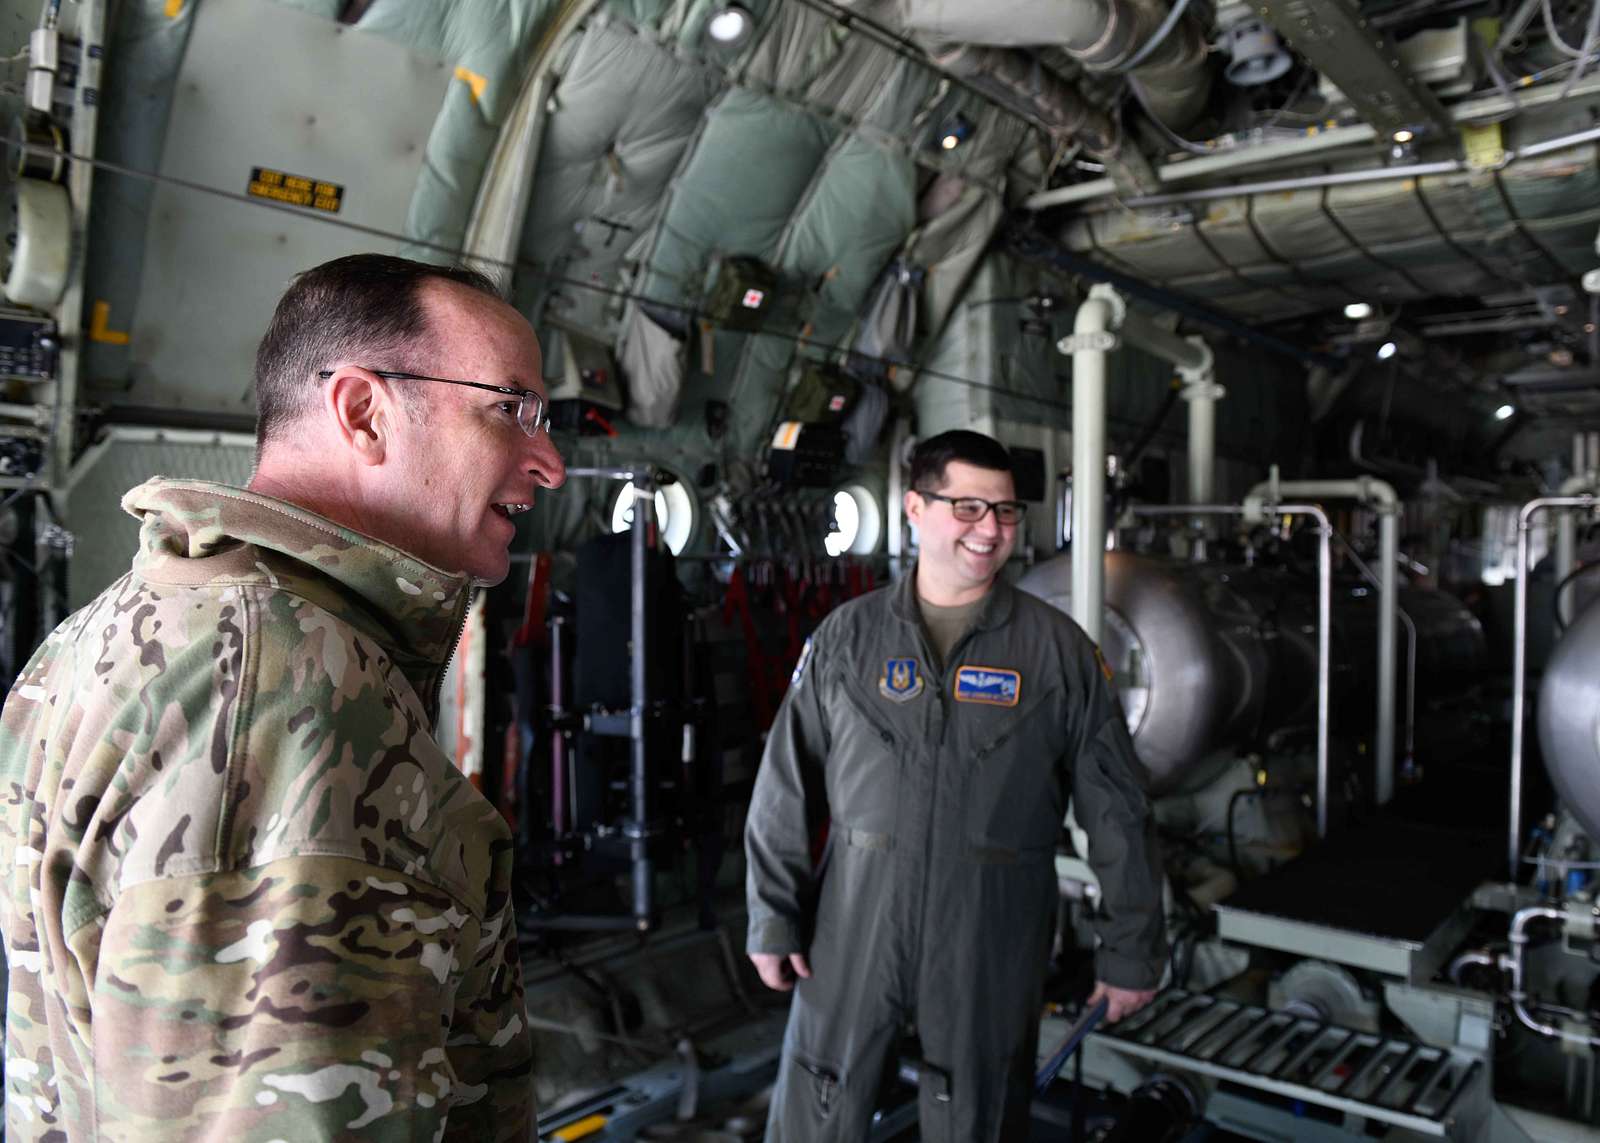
(544, 461)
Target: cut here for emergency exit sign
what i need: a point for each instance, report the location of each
(294, 190)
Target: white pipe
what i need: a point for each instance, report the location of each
(1380, 496)
(1519, 995)
(1092, 337)
(1201, 393)
(895, 500)
(1566, 557)
(1519, 657)
(1196, 365)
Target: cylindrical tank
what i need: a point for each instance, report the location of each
(1569, 719)
(1212, 654)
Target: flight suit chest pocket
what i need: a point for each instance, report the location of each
(1014, 797)
(864, 760)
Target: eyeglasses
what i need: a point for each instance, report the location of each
(530, 405)
(971, 509)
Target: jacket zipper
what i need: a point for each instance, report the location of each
(461, 629)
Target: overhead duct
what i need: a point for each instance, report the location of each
(1152, 42)
(1018, 82)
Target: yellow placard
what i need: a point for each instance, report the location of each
(295, 190)
(1485, 146)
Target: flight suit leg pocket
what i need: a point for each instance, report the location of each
(821, 1080)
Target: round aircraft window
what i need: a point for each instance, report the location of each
(674, 513)
(857, 522)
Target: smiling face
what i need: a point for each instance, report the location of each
(957, 561)
(466, 468)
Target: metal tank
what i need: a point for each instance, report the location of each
(1211, 655)
(1569, 719)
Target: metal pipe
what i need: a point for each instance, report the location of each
(1411, 653)
(1481, 957)
(1324, 612)
(1519, 657)
(1300, 182)
(1099, 314)
(894, 542)
(559, 821)
(607, 472)
(1519, 995)
(637, 830)
(1380, 496)
(1338, 137)
(1369, 175)
(1187, 353)
(1585, 479)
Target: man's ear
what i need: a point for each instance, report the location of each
(913, 505)
(359, 407)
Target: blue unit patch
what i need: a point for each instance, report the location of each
(901, 680)
(995, 686)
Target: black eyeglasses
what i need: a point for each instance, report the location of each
(971, 509)
(530, 406)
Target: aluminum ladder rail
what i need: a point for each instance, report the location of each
(1389, 1079)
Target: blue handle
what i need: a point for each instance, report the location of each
(1085, 1025)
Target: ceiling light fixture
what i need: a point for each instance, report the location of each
(1387, 350)
(1355, 311)
(1503, 413)
(730, 25)
(955, 131)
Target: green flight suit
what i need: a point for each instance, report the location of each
(934, 902)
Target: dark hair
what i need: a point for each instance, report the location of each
(363, 307)
(930, 457)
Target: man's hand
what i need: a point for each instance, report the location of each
(778, 971)
(1120, 1002)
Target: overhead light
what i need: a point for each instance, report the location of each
(1404, 135)
(1387, 350)
(730, 24)
(1503, 412)
(955, 131)
(1355, 311)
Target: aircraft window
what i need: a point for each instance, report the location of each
(674, 514)
(857, 522)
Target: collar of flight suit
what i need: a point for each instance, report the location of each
(189, 529)
(997, 607)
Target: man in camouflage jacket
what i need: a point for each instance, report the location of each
(248, 897)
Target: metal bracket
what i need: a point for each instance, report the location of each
(1363, 63)
(1103, 341)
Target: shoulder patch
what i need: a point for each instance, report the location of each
(902, 681)
(800, 665)
(992, 686)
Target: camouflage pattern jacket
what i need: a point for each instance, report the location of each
(247, 897)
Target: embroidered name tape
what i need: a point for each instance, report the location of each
(995, 686)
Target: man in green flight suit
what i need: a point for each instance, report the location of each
(939, 727)
(247, 896)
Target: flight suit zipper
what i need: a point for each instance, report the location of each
(1014, 725)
